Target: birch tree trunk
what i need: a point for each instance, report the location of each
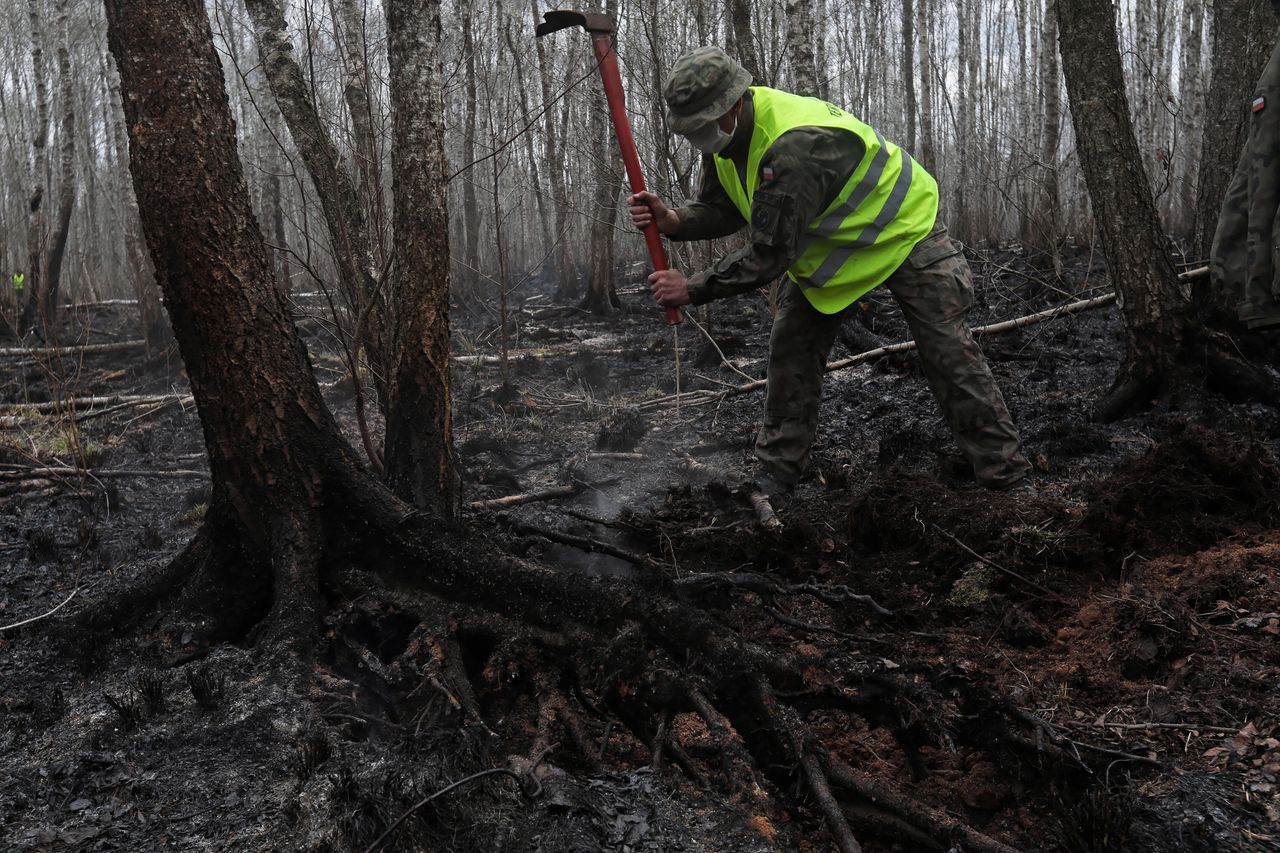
(339, 199)
(928, 154)
(355, 92)
(535, 174)
(470, 204)
(1191, 108)
(602, 297)
(743, 38)
(909, 73)
(1045, 231)
(800, 39)
(40, 174)
(67, 182)
(566, 279)
(419, 455)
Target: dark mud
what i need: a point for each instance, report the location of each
(1133, 602)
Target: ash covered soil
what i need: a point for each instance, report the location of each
(1131, 605)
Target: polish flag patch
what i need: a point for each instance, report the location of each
(767, 173)
(1259, 104)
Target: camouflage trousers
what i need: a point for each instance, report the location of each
(934, 289)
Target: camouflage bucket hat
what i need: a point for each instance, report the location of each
(703, 85)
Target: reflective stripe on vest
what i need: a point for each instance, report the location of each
(887, 206)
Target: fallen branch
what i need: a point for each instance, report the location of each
(585, 544)
(529, 497)
(89, 403)
(1180, 726)
(82, 349)
(101, 303)
(98, 473)
(702, 398)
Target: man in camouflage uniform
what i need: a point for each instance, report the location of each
(800, 175)
(1244, 263)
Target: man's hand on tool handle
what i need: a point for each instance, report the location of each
(670, 288)
(647, 207)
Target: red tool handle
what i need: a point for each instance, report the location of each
(608, 61)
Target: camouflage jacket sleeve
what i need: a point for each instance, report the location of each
(800, 175)
(711, 214)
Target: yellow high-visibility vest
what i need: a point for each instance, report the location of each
(887, 206)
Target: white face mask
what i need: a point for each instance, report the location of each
(711, 139)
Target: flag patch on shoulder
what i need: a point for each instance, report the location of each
(767, 173)
(1259, 104)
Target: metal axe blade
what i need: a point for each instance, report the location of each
(560, 19)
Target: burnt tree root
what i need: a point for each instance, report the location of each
(486, 634)
(1211, 362)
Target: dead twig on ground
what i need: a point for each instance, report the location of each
(585, 544)
(999, 568)
(44, 615)
(520, 780)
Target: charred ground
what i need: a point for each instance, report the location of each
(1128, 611)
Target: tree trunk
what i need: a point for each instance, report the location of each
(1243, 32)
(1045, 224)
(40, 174)
(928, 154)
(800, 39)
(566, 282)
(419, 456)
(343, 211)
(743, 40)
(151, 316)
(1156, 312)
(273, 447)
(1191, 109)
(539, 192)
(909, 73)
(67, 181)
(470, 206)
(355, 92)
(602, 297)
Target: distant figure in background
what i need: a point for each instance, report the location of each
(835, 210)
(1245, 260)
(19, 279)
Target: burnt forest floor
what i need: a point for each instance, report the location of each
(1132, 601)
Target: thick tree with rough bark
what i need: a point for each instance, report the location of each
(1155, 308)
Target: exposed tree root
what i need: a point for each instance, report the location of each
(836, 821)
(1211, 362)
(935, 823)
(547, 636)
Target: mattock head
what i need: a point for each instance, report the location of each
(560, 19)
